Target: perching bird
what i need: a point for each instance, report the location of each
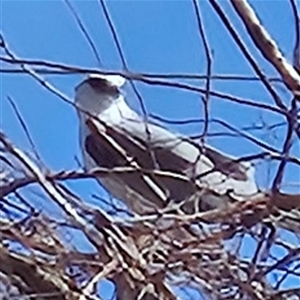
(167, 168)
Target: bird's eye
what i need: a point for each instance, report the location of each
(103, 86)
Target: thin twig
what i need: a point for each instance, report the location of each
(208, 66)
(296, 51)
(247, 53)
(269, 49)
(85, 32)
(24, 126)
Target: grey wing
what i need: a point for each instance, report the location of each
(161, 149)
(158, 189)
(217, 171)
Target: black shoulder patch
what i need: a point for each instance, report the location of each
(102, 152)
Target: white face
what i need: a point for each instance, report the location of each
(98, 92)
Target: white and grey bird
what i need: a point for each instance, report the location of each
(169, 167)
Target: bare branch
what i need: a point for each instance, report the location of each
(267, 46)
(247, 54)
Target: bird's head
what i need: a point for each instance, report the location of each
(97, 92)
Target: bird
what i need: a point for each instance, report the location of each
(165, 170)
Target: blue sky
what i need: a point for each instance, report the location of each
(156, 36)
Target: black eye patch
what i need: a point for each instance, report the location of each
(102, 86)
